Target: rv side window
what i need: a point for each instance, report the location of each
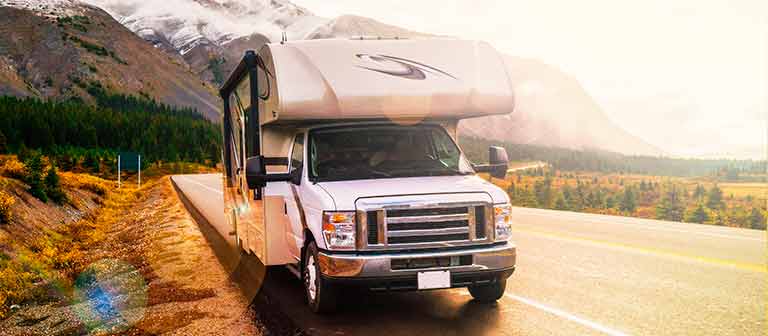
(237, 115)
(297, 153)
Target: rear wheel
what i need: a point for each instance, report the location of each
(321, 295)
(489, 293)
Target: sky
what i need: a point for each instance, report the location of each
(688, 76)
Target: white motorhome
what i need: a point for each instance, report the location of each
(341, 162)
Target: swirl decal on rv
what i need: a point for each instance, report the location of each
(400, 67)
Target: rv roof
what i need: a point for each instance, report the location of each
(383, 79)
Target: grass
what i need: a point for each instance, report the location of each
(44, 262)
(754, 189)
(87, 182)
(52, 258)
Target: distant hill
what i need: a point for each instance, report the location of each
(57, 49)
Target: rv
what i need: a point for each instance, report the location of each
(341, 162)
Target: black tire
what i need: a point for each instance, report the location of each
(489, 293)
(321, 298)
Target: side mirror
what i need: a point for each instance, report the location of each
(499, 161)
(256, 173)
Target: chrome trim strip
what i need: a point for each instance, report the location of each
(472, 221)
(490, 226)
(429, 218)
(428, 232)
(353, 265)
(362, 230)
(381, 225)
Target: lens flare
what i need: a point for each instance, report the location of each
(110, 296)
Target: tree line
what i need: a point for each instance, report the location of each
(603, 161)
(75, 133)
(666, 200)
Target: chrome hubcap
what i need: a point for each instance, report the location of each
(310, 279)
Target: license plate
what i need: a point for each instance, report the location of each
(432, 280)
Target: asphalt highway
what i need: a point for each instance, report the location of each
(577, 274)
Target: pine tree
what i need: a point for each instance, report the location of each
(23, 153)
(671, 206)
(525, 198)
(35, 177)
(561, 203)
(3, 143)
(757, 219)
(543, 192)
(699, 192)
(53, 186)
(628, 202)
(715, 198)
(698, 215)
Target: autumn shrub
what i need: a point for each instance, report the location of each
(6, 201)
(15, 283)
(14, 169)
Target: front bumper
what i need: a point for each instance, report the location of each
(374, 270)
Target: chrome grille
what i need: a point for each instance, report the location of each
(412, 226)
(421, 227)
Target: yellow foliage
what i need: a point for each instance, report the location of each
(6, 201)
(59, 255)
(87, 182)
(14, 169)
(15, 284)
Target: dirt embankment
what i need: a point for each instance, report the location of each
(146, 270)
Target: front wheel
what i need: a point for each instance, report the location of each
(489, 293)
(321, 296)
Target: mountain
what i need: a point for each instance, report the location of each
(208, 38)
(198, 30)
(64, 49)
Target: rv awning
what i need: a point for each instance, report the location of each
(382, 79)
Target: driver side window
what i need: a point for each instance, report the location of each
(297, 153)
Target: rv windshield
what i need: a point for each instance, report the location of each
(355, 152)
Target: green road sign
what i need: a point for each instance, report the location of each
(129, 161)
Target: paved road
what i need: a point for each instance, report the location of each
(577, 274)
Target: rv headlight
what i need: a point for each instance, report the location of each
(502, 217)
(339, 229)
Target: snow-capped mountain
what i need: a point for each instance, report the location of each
(47, 8)
(186, 24)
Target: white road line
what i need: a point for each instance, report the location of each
(566, 315)
(646, 227)
(200, 184)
